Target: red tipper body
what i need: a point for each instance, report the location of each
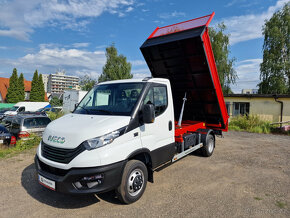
(183, 54)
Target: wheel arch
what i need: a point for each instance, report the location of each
(144, 156)
(205, 133)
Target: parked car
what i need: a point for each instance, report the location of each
(6, 138)
(22, 125)
(26, 106)
(50, 109)
(2, 112)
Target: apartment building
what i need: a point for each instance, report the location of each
(58, 82)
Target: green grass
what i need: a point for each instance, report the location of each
(280, 204)
(258, 198)
(20, 146)
(250, 123)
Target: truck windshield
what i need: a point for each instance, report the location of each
(111, 99)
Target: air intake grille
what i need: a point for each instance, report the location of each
(60, 155)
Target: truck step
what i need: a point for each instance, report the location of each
(186, 152)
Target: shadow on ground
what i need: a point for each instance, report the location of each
(30, 183)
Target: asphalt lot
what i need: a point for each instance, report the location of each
(247, 176)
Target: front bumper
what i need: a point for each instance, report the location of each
(65, 179)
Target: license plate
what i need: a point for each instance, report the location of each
(46, 182)
(1, 141)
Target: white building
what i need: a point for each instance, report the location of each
(58, 82)
(249, 91)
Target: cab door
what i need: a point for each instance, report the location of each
(158, 136)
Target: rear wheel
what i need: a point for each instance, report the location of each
(208, 146)
(133, 182)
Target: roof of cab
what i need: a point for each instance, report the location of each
(146, 79)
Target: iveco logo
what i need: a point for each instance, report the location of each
(56, 139)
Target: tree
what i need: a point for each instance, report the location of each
(13, 90)
(220, 46)
(87, 83)
(41, 91)
(116, 66)
(275, 68)
(55, 101)
(21, 87)
(34, 87)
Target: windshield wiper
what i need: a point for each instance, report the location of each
(105, 111)
(87, 111)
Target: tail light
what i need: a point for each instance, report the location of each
(23, 134)
(13, 140)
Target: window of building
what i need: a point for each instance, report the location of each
(241, 108)
(228, 106)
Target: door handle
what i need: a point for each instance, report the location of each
(135, 134)
(170, 125)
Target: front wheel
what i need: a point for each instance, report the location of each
(134, 181)
(208, 146)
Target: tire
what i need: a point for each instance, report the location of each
(208, 146)
(135, 171)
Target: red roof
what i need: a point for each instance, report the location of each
(4, 84)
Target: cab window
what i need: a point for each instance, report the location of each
(21, 109)
(157, 96)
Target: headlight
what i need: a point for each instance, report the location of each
(103, 140)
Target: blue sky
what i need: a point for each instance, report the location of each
(72, 35)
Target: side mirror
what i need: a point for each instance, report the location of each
(148, 112)
(76, 105)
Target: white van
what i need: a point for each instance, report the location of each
(26, 106)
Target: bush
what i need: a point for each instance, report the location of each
(21, 145)
(54, 115)
(250, 123)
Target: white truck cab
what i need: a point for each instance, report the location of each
(123, 130)
(95, 142)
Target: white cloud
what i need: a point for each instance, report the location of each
(233, 2)
(101, 46)
(137, 62)
(171, 15)
(92, 74)
(248, 74)
(81, 44)
(49, 58)
(129, 9)
(74, 59)
(19, 18)
(247, 27)
(141, 70)
(141, 75)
